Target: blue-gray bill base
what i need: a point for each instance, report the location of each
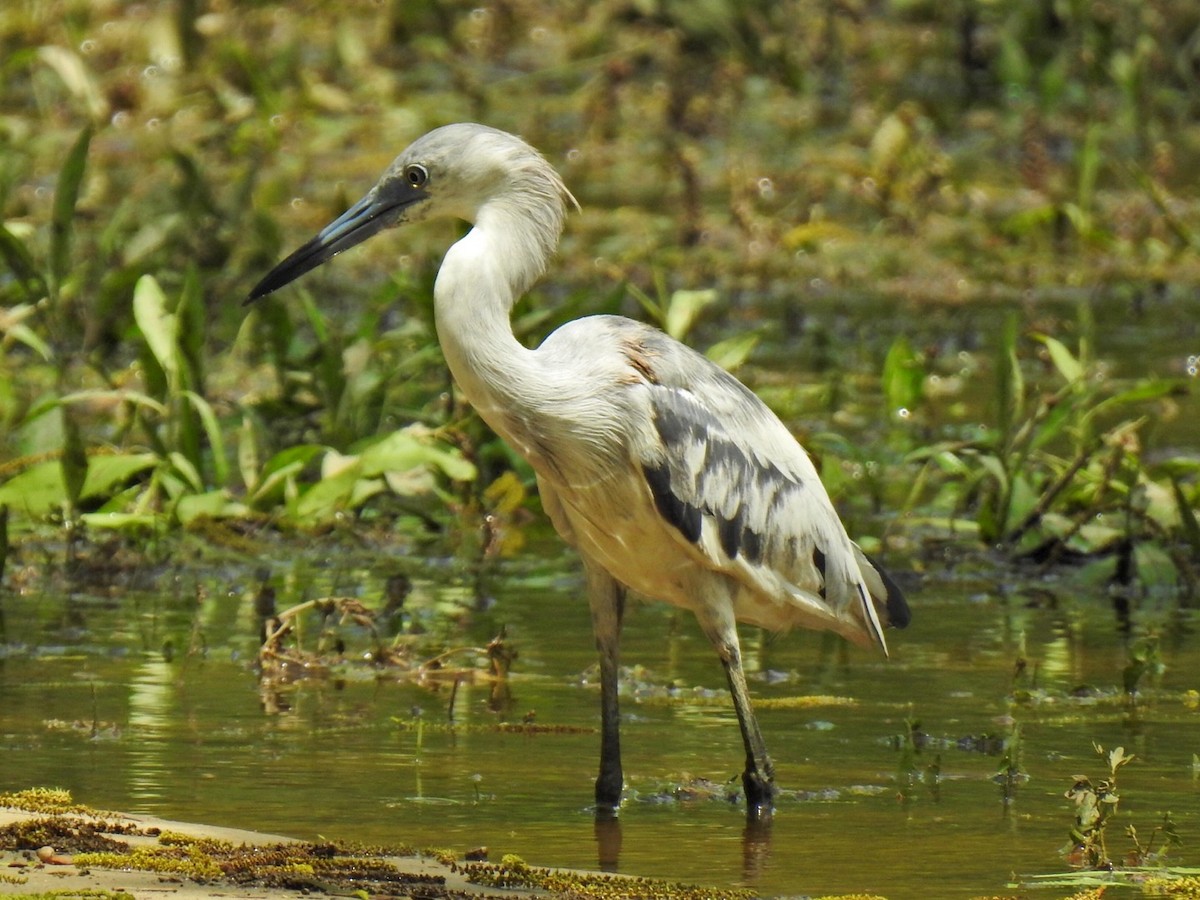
(667, 475)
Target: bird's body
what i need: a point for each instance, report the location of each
(637, 421)
(669, 477)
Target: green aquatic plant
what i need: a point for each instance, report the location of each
(1095, 807)
(42, 800)
(1061, 472)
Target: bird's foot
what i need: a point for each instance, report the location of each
(760, 794)
(608, 791)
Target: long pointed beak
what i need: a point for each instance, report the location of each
(381, 208)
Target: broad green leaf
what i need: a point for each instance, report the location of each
(683, 309)
(106, 472)
(364, 489)
(813, 234)
(951, 463)
(1154, 566)
(730, 353)
(184, 467)
(903, 375)
(334, 463)
(1022, 500)
(120, 521)
(37, 491)
(993, 466)
(402, 450)
(1064, 360)
(301, 454)
(209, 505)
(1061, 417)
(1091, 538)
(30, 339)
(159, 326)
(328, 497)
(276, 479)
(1151, 389)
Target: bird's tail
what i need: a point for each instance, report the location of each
(889, 599)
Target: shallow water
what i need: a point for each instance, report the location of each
(192, 738)
(100, 694)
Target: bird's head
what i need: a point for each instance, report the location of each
(454, 171)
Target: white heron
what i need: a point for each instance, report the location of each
(667, 475)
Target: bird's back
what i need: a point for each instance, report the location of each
(665, 469)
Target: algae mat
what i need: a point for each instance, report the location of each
(50, 846)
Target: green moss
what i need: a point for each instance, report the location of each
(194, 865)
(1186, 886)
(42, 800)
(442, 855)
(68, 833)
(299, 866)
(513, 873)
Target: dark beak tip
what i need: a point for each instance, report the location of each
(256, 294)
(365, 218)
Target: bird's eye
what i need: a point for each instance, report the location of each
(416, 175)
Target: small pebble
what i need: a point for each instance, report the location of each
(50, 858)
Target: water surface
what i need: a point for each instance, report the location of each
(92, 703)
(138, 690)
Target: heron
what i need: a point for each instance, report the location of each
(670, 478)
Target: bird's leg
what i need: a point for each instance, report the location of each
(759, 777)
(607, 600)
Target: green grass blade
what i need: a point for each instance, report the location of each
(159, 327)
(212, 428)
(66, 195)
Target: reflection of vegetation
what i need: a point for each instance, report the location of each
(284, 658)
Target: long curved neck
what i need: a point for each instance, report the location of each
(481, 277)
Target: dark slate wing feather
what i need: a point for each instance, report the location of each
(730, 478)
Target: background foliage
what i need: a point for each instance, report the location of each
(734, 161)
